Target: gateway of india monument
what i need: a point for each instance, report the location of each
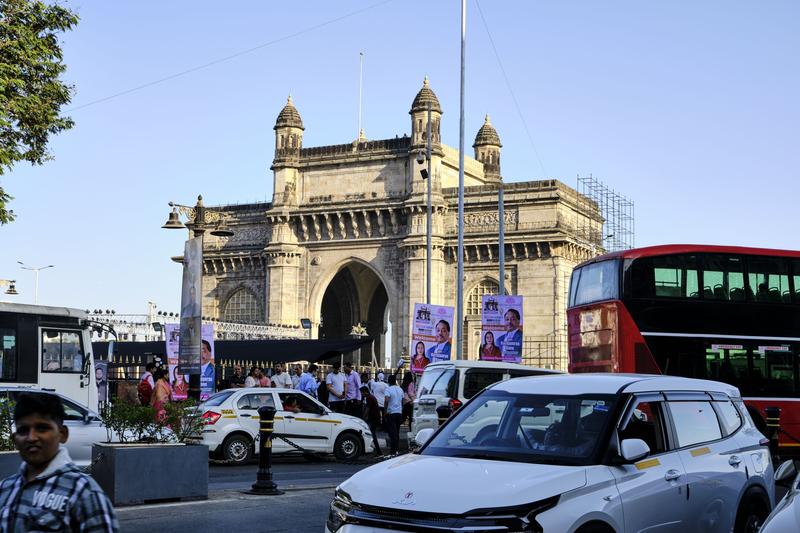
(343, 242)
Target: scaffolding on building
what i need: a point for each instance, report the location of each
(150, 327)
(618, 227)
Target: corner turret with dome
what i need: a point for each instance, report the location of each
(419, 116)
(487, 150)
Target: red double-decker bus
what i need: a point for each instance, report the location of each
(729, 314)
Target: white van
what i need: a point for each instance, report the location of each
(452, 383)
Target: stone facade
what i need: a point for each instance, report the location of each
(343, 240)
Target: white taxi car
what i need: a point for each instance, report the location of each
(586, 453)
(232, 423)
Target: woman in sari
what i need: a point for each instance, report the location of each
(161, 393)
(489, 350)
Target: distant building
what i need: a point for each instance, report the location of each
(343, 240)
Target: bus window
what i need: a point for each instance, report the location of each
(8, 354)
(670, 276)
(61, 351)
(596, 282)
(774, 369)
(769, 279)
(796, 280)
(723, 278)
(727, 363)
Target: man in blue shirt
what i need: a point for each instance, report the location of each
(308, 383)
(510, 342)
(441, 350)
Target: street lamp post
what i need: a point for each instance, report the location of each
(36, 270)
(198, 220)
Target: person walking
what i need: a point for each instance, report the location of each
(393, 402)
(409, 395)
(379, 390)
(281, 379)
(308, 383)
(352, 390)
(50, 493)
(144, 390)
(161, 394)
(335, 382)
(372, 415)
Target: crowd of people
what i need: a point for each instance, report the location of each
(380, 400)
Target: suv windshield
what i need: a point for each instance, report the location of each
(436, 380)
(529, 428)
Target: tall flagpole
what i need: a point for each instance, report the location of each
(360, 87)
(460, 284)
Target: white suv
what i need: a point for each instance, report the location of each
(232, 424)
(575, 453)
(452, 383)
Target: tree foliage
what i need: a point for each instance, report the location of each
(31, 92)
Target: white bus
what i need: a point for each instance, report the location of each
(47, 348)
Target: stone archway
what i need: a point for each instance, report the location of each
(355, 295)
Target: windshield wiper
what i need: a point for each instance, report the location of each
(478, 455)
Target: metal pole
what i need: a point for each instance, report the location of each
(36, 293)
(501, 212)
(360, 85)
(460, 281)
(264, 484)
(430, 217)
(198, 229)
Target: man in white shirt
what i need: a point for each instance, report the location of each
(335, 383)
(281, 379)
(393, 401)
(378, 390)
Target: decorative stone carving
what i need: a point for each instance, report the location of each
(316, 260)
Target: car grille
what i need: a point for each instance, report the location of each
(501, 520)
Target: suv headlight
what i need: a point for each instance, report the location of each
(337, 514)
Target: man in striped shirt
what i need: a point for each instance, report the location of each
(50, 493)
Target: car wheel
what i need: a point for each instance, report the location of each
(751, 514)
(237, 449)
(596, 527)
(347, 447)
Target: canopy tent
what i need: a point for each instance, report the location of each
(264, 351)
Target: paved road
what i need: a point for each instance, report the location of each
(303, 508)
(291, 472)
(296, 511)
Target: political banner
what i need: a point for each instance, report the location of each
(431, 338)
(177, 376)
(101, 380)
(501, 329)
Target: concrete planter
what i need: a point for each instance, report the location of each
(9, 464)
(139, 473)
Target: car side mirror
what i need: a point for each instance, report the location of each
(786, 473)
(423, 436)
(634, 449)
(87, 417)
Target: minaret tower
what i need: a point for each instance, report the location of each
(288, 142)
(487, 151)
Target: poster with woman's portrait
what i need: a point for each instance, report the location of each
(178, 376)
(431, 333)
(419, 357)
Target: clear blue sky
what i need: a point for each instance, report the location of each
(688, 108)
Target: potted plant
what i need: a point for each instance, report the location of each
(148, 458)
(9, 457)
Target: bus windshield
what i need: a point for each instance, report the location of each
(595, 282)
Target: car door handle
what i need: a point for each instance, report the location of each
(672, 475)
(245, 415)
(734, 460)
(289, 417)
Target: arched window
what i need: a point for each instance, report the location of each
(474, 300)
(242, 307)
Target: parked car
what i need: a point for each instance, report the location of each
(232, 424)
(574, 453)
(786, 515)
(452, 383)
(85, 426)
